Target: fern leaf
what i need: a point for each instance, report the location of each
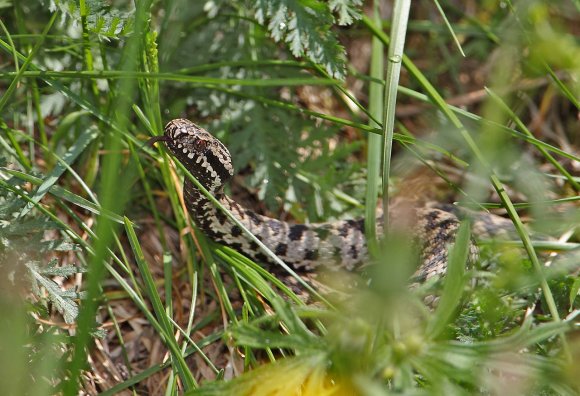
(305, 25)
(101, 19)
(347, 10)
(61, 299)
(65, 271)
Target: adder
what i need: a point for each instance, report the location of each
(333, 245)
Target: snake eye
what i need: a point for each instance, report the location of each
(200, 144)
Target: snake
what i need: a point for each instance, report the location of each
(332, 245)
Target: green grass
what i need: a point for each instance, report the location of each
(107, 286)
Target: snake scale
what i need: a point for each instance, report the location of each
(334, 245)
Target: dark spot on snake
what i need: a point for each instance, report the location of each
(210, 233)
(353, 251)
(281, 249)
(431, 217)
(448, 224)
(237, 231)
(253, 245)
(310, 254)
(296, 231)
(221, 217)
(261, 257)
(254, 217)
(445, 230)
(344, 229)
(237, 246)
(356, 224)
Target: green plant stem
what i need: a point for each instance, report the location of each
(393, 71)
(374, 141)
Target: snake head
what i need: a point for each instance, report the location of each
(202, 154)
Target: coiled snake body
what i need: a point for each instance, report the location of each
(339, 244)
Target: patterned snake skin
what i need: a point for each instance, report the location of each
(339, 244)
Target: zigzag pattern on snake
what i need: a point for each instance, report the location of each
(339, 244)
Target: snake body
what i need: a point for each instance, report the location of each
(334, 245)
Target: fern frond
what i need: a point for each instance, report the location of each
(101, 18)
(61, 299)
(22, 248)
(348, 10)
(306, 27)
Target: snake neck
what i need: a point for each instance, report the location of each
(336, 245)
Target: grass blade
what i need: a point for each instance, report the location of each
(374, 142)
(454, 282)
(395, 56)
(78, 148)
(166, 324)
